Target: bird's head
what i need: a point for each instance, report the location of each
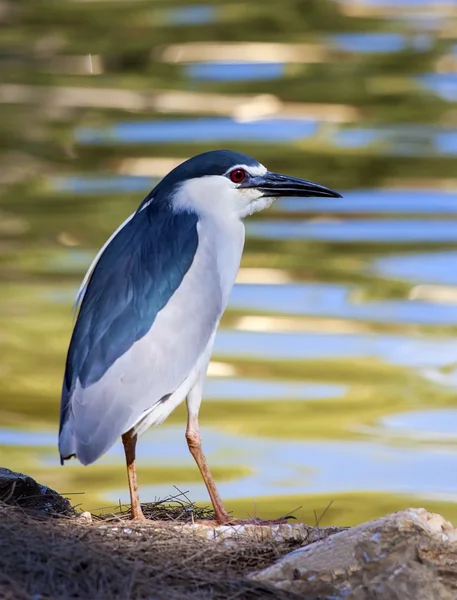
(222, 181)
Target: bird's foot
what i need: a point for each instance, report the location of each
(139, 518)
(136, 514)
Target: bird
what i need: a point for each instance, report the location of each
(148, 308)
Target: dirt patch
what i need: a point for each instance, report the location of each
(50, 552)
(45, 557)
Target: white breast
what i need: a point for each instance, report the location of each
(212, 275)
(224, 240)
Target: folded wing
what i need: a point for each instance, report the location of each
(136, 336)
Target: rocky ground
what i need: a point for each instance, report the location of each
(48, 551)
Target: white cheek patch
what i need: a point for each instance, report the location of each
(207, 195)
(217, 195)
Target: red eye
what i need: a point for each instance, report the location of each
(238, 175)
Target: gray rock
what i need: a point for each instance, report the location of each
(85, 517)
(21, 490)
(229, 535)
(409, 555)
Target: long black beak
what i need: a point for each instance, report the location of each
(276, 185)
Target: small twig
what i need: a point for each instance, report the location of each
(290, 514)
(184, 494)
(318, 520)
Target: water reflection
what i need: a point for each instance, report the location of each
(222, 129)
(377, 201)
(186, 16)
(428, 425)
(338, 302)
(443, 84)
(102, 184)
(446, 142)
(235, 71)
(361, 230)
(307, 467)
(410, 351)
(370, 42)
(297, 467)
(400, 141)
(433, 267)
(261, 390)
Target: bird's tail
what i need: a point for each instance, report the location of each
(67, 442)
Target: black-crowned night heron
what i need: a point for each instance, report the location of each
(150, 305)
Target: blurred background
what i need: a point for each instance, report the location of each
(334, 375)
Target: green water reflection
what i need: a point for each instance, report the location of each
(334, 376)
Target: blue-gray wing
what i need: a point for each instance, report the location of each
(134, 341)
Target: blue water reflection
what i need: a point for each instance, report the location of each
(409, 351)
(417, 140)
(104, 184)
(234, 71)
(260, 389)
(37, 439)
(370, 42)
(198, 14)
(335, 301)
(192, 130)
(446, 142)
(442, 84)
(363, 230)
(376, 201)
(433, 267)
(356, 138)
(427, 425)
